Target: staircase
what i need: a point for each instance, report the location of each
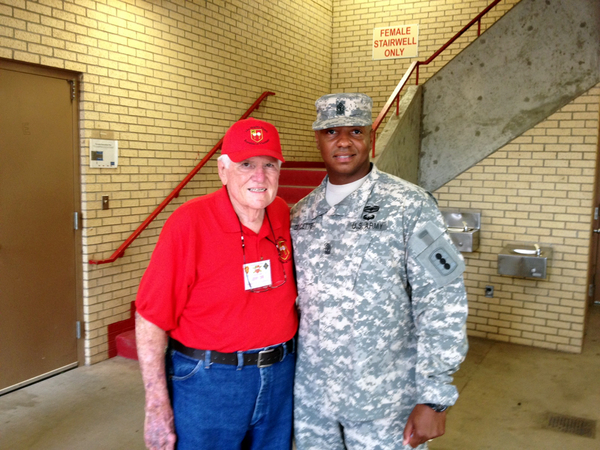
(296, 180)
(534, 60)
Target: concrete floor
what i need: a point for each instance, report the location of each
(507, 392)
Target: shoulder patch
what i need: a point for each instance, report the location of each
(436, 255)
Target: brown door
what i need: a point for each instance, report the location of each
(38, 250)
(595, 257)
(594, 275)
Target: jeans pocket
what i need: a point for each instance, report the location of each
(184, 367)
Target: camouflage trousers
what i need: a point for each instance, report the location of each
(315, 429)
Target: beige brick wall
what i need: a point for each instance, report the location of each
(166, 79)
(353, 69)
(538, 188)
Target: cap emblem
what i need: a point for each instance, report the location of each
(256, 134)
(340, 108)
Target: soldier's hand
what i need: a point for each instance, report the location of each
(423, 424)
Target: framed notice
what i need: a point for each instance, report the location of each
(398, 41)
(104, 153)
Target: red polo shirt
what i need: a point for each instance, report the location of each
(194, 285)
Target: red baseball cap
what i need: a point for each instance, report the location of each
(251, 137)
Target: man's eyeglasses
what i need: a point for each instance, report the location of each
(270, 287)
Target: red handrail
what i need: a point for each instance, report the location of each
(395, 97)
(121, 250)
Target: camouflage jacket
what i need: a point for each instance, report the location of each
(382, 300)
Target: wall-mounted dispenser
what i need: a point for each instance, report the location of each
(524, 260)
(463, 228)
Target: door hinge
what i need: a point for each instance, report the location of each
(591, 290)
(596, 213)
(78, 329)
(76, 220)
(73, 85)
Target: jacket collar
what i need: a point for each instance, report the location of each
(352, 206)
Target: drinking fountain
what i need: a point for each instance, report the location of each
(528, 260)
(463, 228)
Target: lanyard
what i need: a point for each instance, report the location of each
(242, 235)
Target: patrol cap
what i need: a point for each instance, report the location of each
(251, 137)
(343, 110)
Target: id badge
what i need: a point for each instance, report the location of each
(257, 274)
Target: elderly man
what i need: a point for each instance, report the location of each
(219, 293)
(381, 298)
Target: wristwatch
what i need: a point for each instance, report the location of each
(437, 408)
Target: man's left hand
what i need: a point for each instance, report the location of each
(423, 424)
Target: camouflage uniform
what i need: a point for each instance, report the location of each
(382, 303)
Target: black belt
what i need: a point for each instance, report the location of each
(264, 358)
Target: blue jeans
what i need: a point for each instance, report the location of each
(225, 407)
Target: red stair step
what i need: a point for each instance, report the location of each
(293, 194)
(126, 345)
(299, 177)
(303, 165)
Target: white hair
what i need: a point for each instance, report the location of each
(226, 160)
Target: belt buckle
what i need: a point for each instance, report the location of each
(264, 353)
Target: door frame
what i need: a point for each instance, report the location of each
(594, 253)
(67, 75)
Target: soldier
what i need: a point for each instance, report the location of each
(381, 296)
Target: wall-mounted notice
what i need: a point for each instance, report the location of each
(399, 41)
(104, 153)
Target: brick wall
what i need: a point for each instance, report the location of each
(538, 188)
(353, 69)
(166, 79)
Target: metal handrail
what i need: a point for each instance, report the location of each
(121, 250)
(395, 97)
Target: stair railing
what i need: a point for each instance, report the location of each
(395, 97)
(121, 250)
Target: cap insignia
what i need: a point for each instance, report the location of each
(256, 134)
